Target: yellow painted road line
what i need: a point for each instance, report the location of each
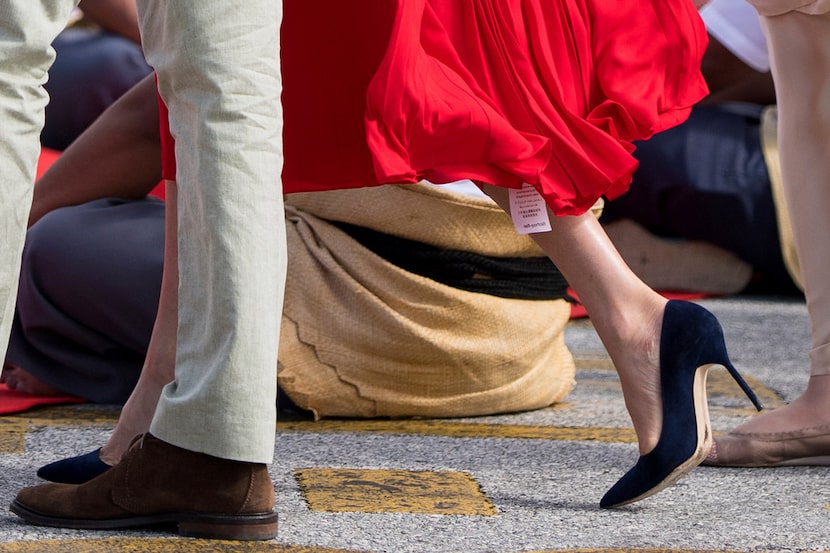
(720, 385)
(13, 428)
(462, 430)
(69, 415)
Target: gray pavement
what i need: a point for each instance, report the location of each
(543, 489)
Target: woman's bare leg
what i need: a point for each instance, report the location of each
(626, 313)
(800, 58)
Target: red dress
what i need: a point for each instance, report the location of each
(549, 92)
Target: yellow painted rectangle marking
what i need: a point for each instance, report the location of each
(393, 491)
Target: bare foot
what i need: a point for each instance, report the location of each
(20, 380)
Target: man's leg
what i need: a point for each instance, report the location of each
(27, 27)
(203, 467)
(218, 70)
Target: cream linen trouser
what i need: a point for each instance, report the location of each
(798, 35)
(27, 28)
(218, 70)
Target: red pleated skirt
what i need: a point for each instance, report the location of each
(548, 92)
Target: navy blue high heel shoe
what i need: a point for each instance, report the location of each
(75, 470)
(691, 342)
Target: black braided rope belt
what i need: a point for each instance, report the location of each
(528, 278)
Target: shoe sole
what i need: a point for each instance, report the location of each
(250, 527)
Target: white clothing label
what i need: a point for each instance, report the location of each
(528, 210)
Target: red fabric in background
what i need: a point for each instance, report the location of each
(15, 402)
(47, 158)
(501, 91)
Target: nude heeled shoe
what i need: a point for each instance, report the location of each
(805, 447)
(691, 343)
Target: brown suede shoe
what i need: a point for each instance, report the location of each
(157, 483)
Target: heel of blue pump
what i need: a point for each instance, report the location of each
(717, 354)
(744, 386)
(691, 342)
